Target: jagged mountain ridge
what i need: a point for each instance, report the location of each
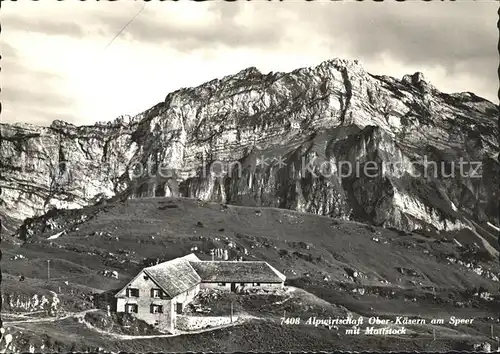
(335, 112)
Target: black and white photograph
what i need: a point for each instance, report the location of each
(249, 176)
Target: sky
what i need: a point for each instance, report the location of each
(59, 59)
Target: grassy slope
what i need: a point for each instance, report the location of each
(306, 247)
(256, 336)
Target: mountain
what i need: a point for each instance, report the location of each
(243, 164)
(284, 140)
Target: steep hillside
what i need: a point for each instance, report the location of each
(367, 270)
(332, 140)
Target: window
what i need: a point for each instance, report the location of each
(156, 308)
(156, 293)
(131, 308)
(221, 284)
(132, 292)
(146, 277)
(242, 284)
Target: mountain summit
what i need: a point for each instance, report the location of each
(332, 140)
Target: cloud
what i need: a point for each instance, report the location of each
(34, 95)
(461, 37)
(219, 26)
(29, 92)
(8, 51)
(59, 18)
(43, 116)
(36, 105)
(424, 33)
(43, 25)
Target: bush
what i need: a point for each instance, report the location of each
(284, 253)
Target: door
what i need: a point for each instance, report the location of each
(179, 308)
(233, 287)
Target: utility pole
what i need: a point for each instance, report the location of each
(434, 333)
(231, 311)
(48, 269)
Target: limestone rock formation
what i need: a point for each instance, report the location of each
(278, 139)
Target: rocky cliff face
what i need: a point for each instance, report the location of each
(332, 140)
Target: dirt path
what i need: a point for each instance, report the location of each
(81, 317)
(179, 333)
(80, 314)
(425, 330)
